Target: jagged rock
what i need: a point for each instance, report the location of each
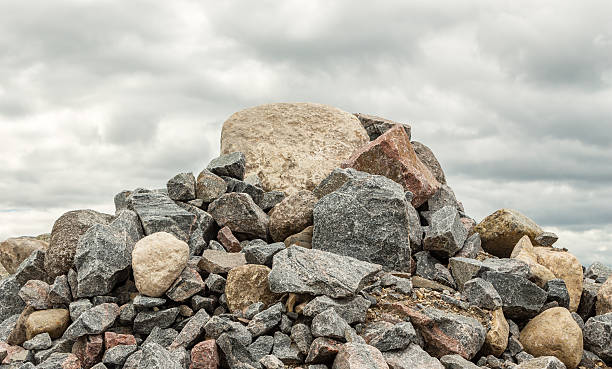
(142, 302)
(391, 155)
(215, 283)
(557, 291)
(335, 180)
(496, 339)
(215, 261)
(367, 219)
(188, 283)
(261, 347)
(471, 247)
(162, 336)
(60, 293)
(521, 299)
(260, 252)
(506, 266)
(482, 294)
(329, 324)
(278, 141)
(598, 336)
(565, 266)
(322, 350)
(60, 361)
(93, 321)
(270, 199)
(32, 268)
(316, 272)
(204, 355)
(160, 252)
(204, 229)
(463, 269)
(10, 302)
(352, 310)
(271, 362)
(501, 231)
(359, 355)
(36, 294)
(155, 356)
(7, 326)
(118, 354)
(112, 339)
(266, 320)
(292, 215)
(413, 357)
(192, 330)
(546, 239)
(146, 320)
(120, 200)
(442, 198)
(588, 299)
(376, 126)
(457, 362)
(241, 215)
(228, 240)
(79, 307)
(387, 336)
(286, 350)
(302, 239)
(13, 251)
(427, 157)
(248, 284)
(64, 238)
(544, 362)
(181, 187)
(39, 342)
(446, 234)
(604, 298)
(598, 272)
(209, 186)
(429, 267)
(18, 334)
(554, 333)
(229, 165)
(301, 335)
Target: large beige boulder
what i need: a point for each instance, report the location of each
(496, 339)
(500, 231)
(15, 250)
(554, 333)
(292, 146)
(524, 251)
(604, 298)
(248, 284)
(565, 266)
(157, 260)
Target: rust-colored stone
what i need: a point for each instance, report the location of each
(89, 350)
(228, 240)
(112, 339)
(204, 355)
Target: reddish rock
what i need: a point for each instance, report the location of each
(392, 156)
(10, 351)
(204, 355)
(228, 240)
(322, 350)
(112, 339)
(89, 349)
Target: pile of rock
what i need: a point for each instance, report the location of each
(318, 239)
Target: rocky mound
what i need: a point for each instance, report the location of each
(318, 239)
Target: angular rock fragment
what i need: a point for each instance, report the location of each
(230, 165)
(604, 298)
(598, 336)
(266, 320)
(260, 252)
(155, 356)
(544, 362)
(521, 299)
(292, 215)
(221, 262)
(546, 239)
(270, 199)
(13, 251)
(145, 321)
(446, 234)
(352, 310)
(248, 284)
(93, 321)
(188, 283)
(428, 267)
(204, 355)
(329, 324)
(209, 186)
(471, 247)
(376, 126)
(359, 355)
(118, 354)
(457, 362)
(427, 157)
(60, 293)
(557, 291)
(32, 268)
(39, 342)
(496, 340)
(463, 269)
(238, 212)
(181, 187)
(598, 272)
(565, 266)
(10, 302)
(228, 240)
(36, 294)
(482, 294)
(387, 336)
(285, 350)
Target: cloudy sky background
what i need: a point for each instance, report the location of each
(514, 99)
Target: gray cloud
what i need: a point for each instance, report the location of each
(96, 97)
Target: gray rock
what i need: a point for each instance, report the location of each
(507, 266)
(217, 325)
(133, 360)
(270, 199)
(209, 186)
(352, 310)
(301, 335)
(236, 185)
(546, 239)
(376, 126)
(271, 362)
(446, 233)
(254, 180)
(430, 268)
(161, 336)
(155, 356)
(316, 272)
(471, 247)
(33, 267)
(329, 324)
(186, 285)
(36, 294)
(60, 294)
(260, 252)
(146, 320)
(10, 302)
(235, 350)
(598, 336)
(261, 347)
(359, 355)
(181, 187)
(206, 303)
(58, 361)
(387, 336)
(443, 197)
(7, 326)
(230, 165)
(254, 309)
(366, 218)
(204, 231)
(598, 272)
(413, 357)
(265, 321)
(192, 330)
(322, 350)
(93, 321)
(416, 230)
(543, 362)
(285, 350)
(120, 200)
(238, 212)
(557, 291)
(521, 299)
(482, 294)
(428, 158)
(59, 346)
(72, 282)
(215, 283)
(457, 362)
(578, 320)
(78, 307)
(158, 213)
(142, 302)
(588, 299)
(118, 354)
(39, 342)
(463, 269)
(401, 285)
(286, 324)
(335, 180)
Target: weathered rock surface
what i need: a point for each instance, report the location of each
(500, 231)
(209, 186)
(352, 310)
(391, 155)
(292, 215)
(10, 302)
(446, 234)
(157, 260)
(292, 147)
(367, 219)
(413, 357)
(427, 157)
(565, 266)
(64, 238)
(15, 250)
(376, 126)
(53, 321)
(181, 187)
(229, 165)
(496, 339)
(544, 362)
(554, 333)
(238, 212)
(521, 298)
(604, 298)
(93, 321)
(525, 252)
(220, 262)
(248, 284)
(358, 356)
(316, 272)
(598, 336)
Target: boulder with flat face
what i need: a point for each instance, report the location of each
(292, 146)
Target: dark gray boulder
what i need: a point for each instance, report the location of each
(463, 269)
(376, 126)
(230, 165)
(10, 302)
(557, 291)
(507, 266)
(236, 185)
(285, 349)
(366, 218)
(266, 320)
(93, 321)
(482, 294)
(351, 309)
(260, 252)
(430, 268)
(471, 247)
(588, 299)
(598, 272)
(387, 336)
(146, 320)
(270, 199)
(238, 212)
(443, 197)
(427, 157)
(521, 299)
(457, 362)
(155, 356)
(446, 233)
(181, 187)
(329, 324)
(412, 357)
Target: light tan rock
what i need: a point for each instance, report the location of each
(554, 333)
(500, 231)
(248, 284)
(3, 272)
(52, 321)
(303, 239)
(496, 339)
(292, 215)
(220, 262)
(524, 251)
(15, 250)
(157, 260)
(604, 298)
(292, 146)
(565, 266)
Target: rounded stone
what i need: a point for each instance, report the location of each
(500, 231)
(248, 284)
(554, 333)
(292, 146)
(565, 266)
(52, 321)
(157, 260)
(604, 298)
(292, 215)
(15, 250)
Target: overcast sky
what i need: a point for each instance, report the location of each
(514, 99)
